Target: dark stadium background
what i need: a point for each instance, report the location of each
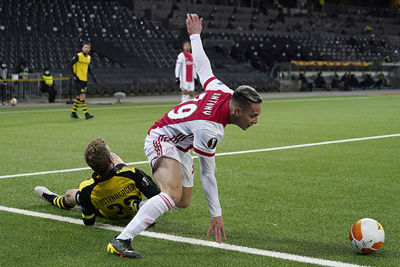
(135, 43)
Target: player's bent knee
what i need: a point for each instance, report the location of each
(174, 194)
(70, 196)
(176, 197)
(183, 204)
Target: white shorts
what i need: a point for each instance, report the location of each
(155, 149)
(187, 85)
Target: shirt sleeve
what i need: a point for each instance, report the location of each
(201, 62)
(74, 60)
(206, 140)
(145, 184)
(178, 66)
(210, 187)
(202, 66)
(87, 208)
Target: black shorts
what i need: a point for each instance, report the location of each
(80, 87)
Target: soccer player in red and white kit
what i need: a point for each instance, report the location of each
(199, 125)
(185, 72)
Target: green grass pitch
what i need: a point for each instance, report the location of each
(301, 201)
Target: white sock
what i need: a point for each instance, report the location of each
(147, 214)
(142, 203)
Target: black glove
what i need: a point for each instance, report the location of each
(177, 81)
(95, 80)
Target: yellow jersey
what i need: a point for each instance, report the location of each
(112, 195)
(48, 79)
(81, 66)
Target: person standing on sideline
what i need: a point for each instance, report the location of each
(197, 124)
(80, 68)
(3, 84)
(47, 85)
(185, 72)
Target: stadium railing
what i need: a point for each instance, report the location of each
(28, 87)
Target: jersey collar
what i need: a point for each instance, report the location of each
(110, 174)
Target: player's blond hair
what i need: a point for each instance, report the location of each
(98, 156)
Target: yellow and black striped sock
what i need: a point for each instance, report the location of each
(76, 105)
(84, 107)
(61, 203)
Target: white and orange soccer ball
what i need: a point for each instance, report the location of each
(367, 235)
(13, 101)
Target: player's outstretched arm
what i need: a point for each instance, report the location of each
(200, 59)
(210, 188)
(74, 60)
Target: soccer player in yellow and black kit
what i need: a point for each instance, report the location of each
(114, 191)
(80, 69)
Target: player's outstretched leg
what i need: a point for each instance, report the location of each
(135, 205)
(123, 248)
(56, 200)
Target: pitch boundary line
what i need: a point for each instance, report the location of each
(192, 241)
(268, 100)
(219, 154)
(94, 108)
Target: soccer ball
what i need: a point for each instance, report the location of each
(367, 236)
(13, 101)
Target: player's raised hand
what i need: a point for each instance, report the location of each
(217, 225)
(116, 159)
(193, 24)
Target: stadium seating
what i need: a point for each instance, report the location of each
(245, 43)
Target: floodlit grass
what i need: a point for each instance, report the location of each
(301, 201)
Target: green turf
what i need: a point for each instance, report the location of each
(301, 201)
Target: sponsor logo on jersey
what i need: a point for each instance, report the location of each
(145, 182)
(212, 143)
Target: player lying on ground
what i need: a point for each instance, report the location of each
(197, 124)
(114, 191)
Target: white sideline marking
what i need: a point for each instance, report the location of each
(267, 100)
(193, 241)
(220, 154)
(318, 99)
(310, 144)
(94, 108)
(60, 171)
